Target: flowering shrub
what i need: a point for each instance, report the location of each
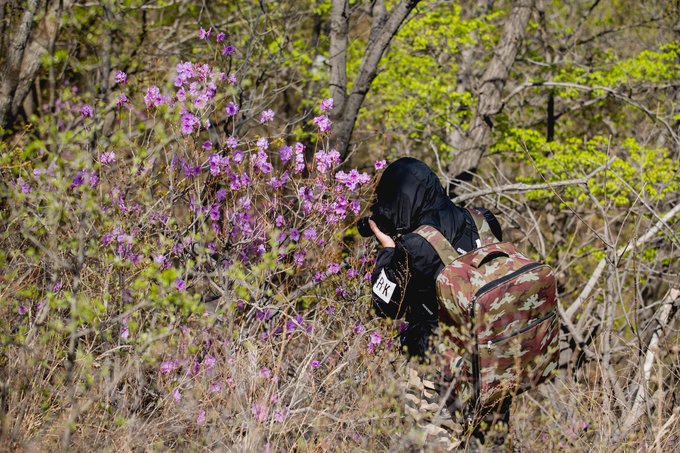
(213, 262)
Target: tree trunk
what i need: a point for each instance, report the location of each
(10, 75)
(383, 28)
(478, 136)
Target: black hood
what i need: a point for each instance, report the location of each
(408, 195)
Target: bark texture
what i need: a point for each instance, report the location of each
(383, 28)
(473, 143)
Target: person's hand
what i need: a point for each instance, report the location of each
(384, 239)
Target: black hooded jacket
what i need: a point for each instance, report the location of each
(408, 195)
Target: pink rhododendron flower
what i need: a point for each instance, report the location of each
(323, 123)
(262, 143)
(232, 109)
(153, 97)
(232, 142)
(107, 157)
(124, 330)
(86, 111)
(314, 363)
(180, 284)
(286, 153)
(209, 361)
(259, 411)
(177, 395)
(375, 338)
(200, 418)
(327, 104)
(380, 164)
(120, 77)
(267, 116)
(169, 366)
(219, 37)
(204, 34)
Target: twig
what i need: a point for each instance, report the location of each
(523, 187)
(569, 312)
(640, 400)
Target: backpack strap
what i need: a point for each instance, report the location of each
(486, 237)
(439, 243)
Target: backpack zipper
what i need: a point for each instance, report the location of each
(476, 384)
(522, 330)
(475, 358)
(505, 278)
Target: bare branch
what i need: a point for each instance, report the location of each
(639, 403)
(571, 311)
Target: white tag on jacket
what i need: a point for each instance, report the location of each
(383, 287)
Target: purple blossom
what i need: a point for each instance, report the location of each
(280, 416)
(319, 277)
(309, 233)
(185, 72)
(24, 186)
(86, 111)
(124, 330)
(279, 222)
(265, 372)
(355, 206)
(323, 123)
(23, 308)
(232, 79)
(122, 99)
(359, 328)
(153, 97)
(169, 366)
(189, 122)
(204, 34)
(375, 338)
(209, 361)
(267, 116)
(120, 77)
(180, 284)
(286, 153)
(259, 411)
(353, 179)
(228, 50)
(215, 387)
(333, 268)
(219, 37)
(327, 104)
(107, 157)
(314, 363)
(261, 162)
(232, 142)
(299, 157)
(78, 180)
(299, 257)
(262, 143)
(56, 287)
(177, 395)
(326, 160)
(232, 109)
(221, 194)
(159, 259)
(380, 164)
(200, 418)
(294, 234)
(352, 273)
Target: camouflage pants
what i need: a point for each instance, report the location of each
(438, 423)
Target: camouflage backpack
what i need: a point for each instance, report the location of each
(499, 311)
